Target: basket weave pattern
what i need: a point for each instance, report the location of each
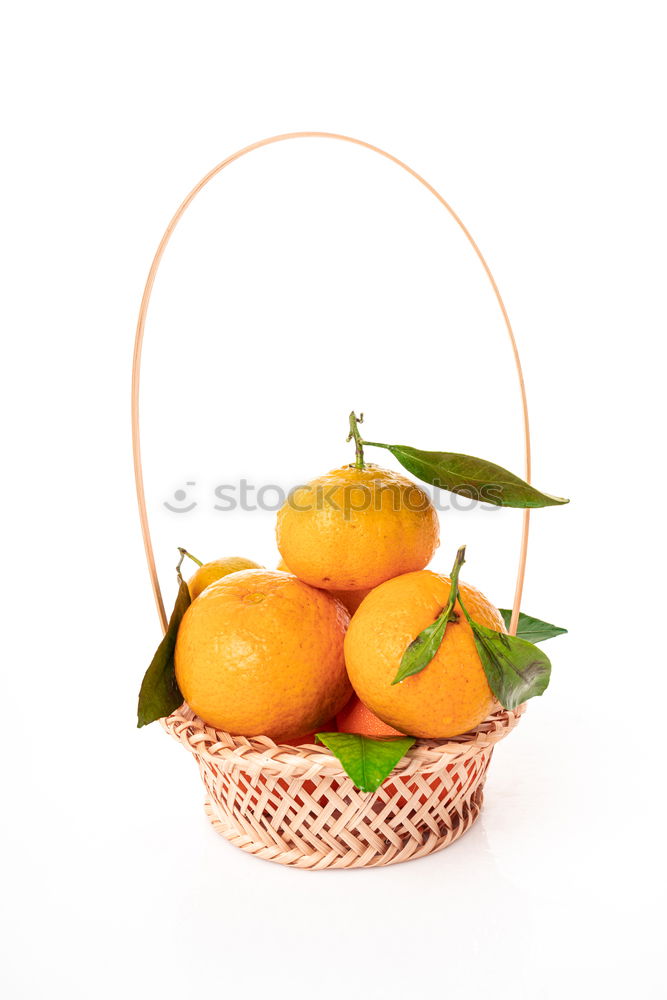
(297, 806)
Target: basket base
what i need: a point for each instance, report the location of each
(296, 806)
(318, 861)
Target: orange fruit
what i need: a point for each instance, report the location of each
(356, 718)
(354, 528)
(207, 574)
(261, 653)
(350, 598)
(451, 695)
(328, 726)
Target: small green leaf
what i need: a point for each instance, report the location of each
(421, 650)
(532, 629)
(470, 477)
(159, 695)
(366, 760)
(515, 669)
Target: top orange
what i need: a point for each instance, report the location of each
(356, 527)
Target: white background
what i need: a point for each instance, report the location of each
(312, 278)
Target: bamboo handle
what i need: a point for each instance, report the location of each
(141, 323)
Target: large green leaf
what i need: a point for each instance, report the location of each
(470, 477)
(368, 761)
(532, 629)
(515, 669)
(159, 695)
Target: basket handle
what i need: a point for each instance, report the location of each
(141, 323)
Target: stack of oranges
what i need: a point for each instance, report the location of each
(317, 643)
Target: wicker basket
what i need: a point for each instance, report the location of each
(297, 806)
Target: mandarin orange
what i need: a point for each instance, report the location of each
(451, 695)
(356, 718)
(209, 572)
(261, 653)
(354, 528)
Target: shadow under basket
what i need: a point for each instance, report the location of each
(298, 807)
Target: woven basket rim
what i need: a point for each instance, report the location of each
(263, 754)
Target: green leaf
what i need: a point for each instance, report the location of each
(159, 695)
(368, 761)
(515, 669)
(421, 650)
(470, 477)
(532, 629)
